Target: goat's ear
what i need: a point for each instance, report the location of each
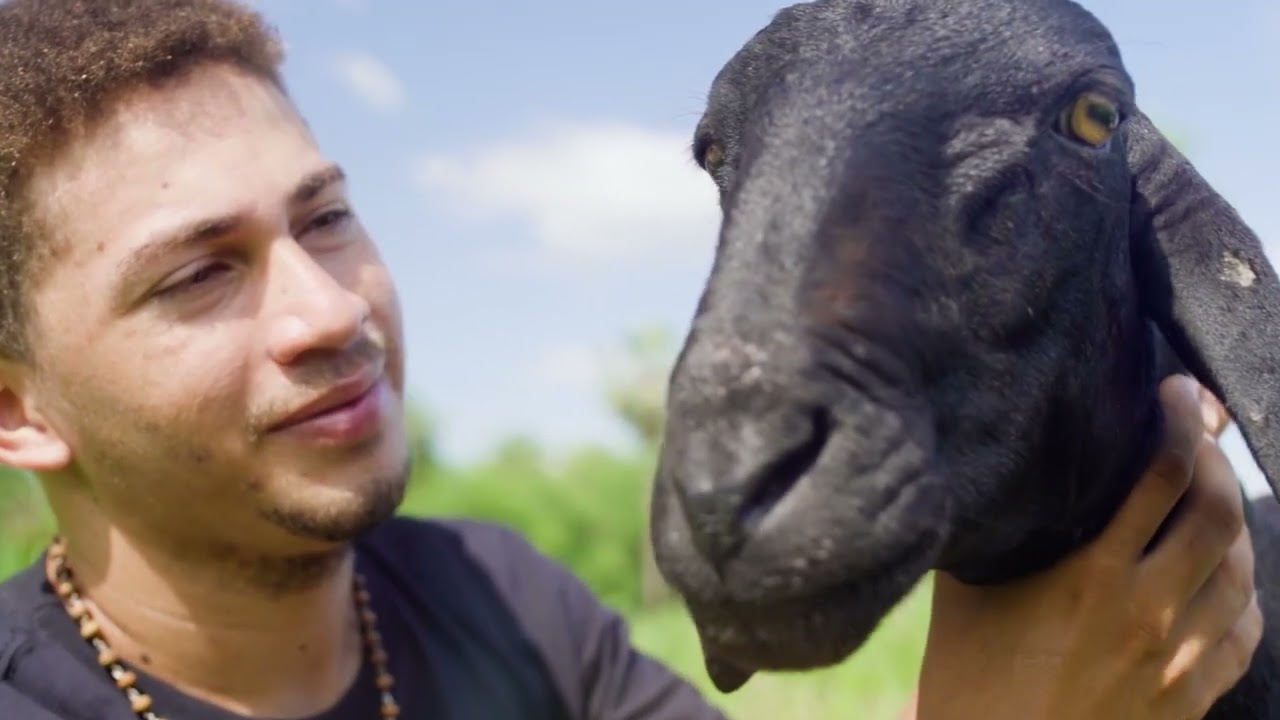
(1206, 283)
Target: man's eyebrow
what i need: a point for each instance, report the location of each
(315, 183)
(198, 232)
(206, 230)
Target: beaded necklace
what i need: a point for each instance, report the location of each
(59, 577)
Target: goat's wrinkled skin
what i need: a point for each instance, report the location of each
(935, 323)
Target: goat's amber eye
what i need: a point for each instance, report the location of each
(1091, 119)
(713, 157)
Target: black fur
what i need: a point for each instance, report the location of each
(935, 323)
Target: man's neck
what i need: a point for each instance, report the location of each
(256, 636)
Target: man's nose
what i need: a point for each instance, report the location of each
(314, 310)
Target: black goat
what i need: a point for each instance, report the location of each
(953, 253)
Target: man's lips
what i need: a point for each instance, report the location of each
(350, 410)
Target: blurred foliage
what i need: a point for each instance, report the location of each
(25, 521)
(636, 382)
(580, 510)
(635, 387)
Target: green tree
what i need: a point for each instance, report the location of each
(636, 390)
(636, 383)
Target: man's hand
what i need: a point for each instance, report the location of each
(1109, 632)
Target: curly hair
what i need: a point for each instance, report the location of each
(63, 63)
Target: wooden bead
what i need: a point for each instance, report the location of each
(76, 609)
(125, 679)
(60, 579)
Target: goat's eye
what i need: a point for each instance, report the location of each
(713, 157)
(1091, 119)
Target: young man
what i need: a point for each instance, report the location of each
(203, 365)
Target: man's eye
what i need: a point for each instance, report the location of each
(329, 218)
(193, 280)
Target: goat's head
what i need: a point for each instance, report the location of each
(926, 340)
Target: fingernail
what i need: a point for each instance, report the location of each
(1186, 386)
(1209, 414)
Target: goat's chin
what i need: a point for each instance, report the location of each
(805, 632)
(807, 595)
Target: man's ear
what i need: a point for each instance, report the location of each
(27, 440)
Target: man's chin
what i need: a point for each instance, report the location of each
(330, 514)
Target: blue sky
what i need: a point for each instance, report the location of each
(524, 168)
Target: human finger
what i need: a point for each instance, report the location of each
(1215, 609)
(1166, 477)
(1221, 667)
(1208, 522)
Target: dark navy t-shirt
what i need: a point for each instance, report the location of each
(476, 624)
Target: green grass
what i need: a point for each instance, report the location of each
(872, 685)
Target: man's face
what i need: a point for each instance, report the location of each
(212, 294)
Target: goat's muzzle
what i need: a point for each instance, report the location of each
(789, 525)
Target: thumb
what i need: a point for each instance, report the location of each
(1216, 417)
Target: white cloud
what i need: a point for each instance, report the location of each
(602, 192)
(370, 79)
(572, 364)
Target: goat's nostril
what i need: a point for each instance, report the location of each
(737, 488)
(777, 477)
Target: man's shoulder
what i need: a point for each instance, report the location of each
(413, 530)
(20, 600)
(39, 678)
(584, 644)
(453, 545)
(488, 583)
(22, 594)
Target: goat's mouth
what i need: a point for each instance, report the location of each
(818, 629)
(805, 586)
